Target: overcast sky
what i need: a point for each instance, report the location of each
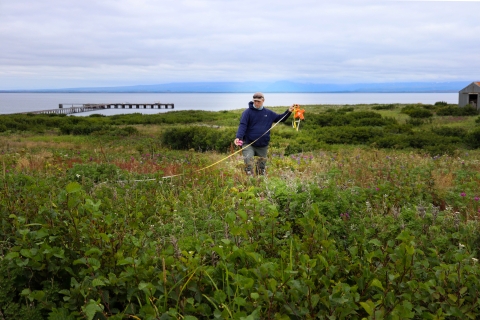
(91, 43)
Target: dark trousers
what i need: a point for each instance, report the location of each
(249, 154)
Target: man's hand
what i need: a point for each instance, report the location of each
(292, 107)
(238, 142)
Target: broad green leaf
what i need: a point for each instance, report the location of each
(80, 261)
(73, 187)
(377, 283)
(272, 285)
(93, 251)
(60, 314)
(242, 214)
(244, 282)
(145, 285)
(125, 261)
(220, 296)
(453, 297)
(323, 260)
(38, 295)
(12, 255)
(230, 217)
(240, 301)
(59, 253)
(368, 306)
(91, 309)
(404, 236)
(375, 242)
(26, 253)
(25, 292)
(410, 250)
(254, 295)
(315, 299)
(97, 282)
(94, 263)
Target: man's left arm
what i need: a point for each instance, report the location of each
(284, 116)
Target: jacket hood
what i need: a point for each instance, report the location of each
(251, 106)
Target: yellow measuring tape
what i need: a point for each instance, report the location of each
(229, 156)
(213, 164)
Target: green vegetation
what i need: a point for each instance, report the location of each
(361, 216)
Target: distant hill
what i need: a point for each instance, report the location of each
(277, 87)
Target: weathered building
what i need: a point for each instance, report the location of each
(469, 95)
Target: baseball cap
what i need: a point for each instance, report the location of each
(258, 96)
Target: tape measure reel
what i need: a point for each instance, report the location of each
(297, 116)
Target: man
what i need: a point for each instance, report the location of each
(255, 124)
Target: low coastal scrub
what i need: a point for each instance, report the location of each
(378, 125)
(96, 227)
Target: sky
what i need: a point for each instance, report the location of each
(101, 43)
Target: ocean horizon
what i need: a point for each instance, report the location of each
(30, 102)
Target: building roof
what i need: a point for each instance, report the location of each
(473, 87)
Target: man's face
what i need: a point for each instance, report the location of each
(258, 103)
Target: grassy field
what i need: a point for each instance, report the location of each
(343, 226)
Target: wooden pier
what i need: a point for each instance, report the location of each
(70, 108)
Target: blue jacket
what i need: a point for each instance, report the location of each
(256, 122)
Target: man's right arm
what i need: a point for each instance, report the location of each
(242, 128)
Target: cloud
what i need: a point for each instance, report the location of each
(104, 43)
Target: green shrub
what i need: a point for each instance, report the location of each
(398, 128)
(345, 109)
(469, 111)
(337, 119)
(372, 122)
(391, 142)
(348, 135)
(304, 144)
(85, 129)
(440, 103)
(448, 111)
(441, 149)
(419, 113)
(473, 139)
(410, 107)
(431, 143)
(198, 138)
(456, 111)
(384, 107)
(449, 131)
(414, 122)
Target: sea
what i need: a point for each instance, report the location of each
(29, 102)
